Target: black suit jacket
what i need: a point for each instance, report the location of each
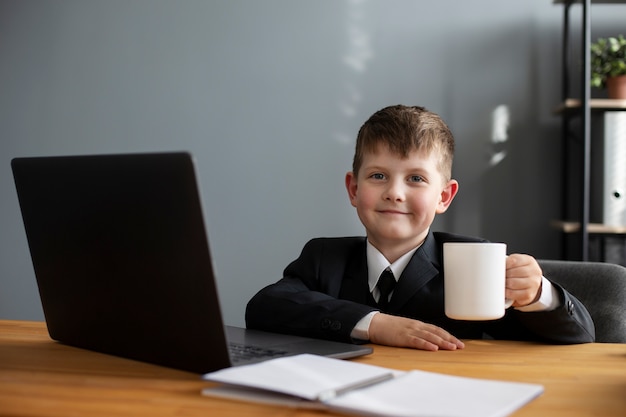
(324, 293)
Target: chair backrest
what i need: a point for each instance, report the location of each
(601, 287)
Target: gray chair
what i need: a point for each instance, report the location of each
(601, 287)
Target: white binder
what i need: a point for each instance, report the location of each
(614, 193)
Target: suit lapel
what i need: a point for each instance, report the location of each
(422, 267)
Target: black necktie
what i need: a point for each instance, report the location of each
(386, 283)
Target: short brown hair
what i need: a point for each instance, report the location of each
(404, 129)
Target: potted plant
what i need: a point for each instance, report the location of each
(608, 65)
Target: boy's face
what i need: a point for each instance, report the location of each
(397, 198)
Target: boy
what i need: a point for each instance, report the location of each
(401, 179)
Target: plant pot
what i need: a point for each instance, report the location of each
(616, 87)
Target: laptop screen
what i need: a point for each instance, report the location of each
(121, 257)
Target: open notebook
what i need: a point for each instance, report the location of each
(122, 262)
(307, 381)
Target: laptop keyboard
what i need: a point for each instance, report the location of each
(243, 353)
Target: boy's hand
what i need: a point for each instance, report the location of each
(397, 331)
(523, 279)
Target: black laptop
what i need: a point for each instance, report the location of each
(122, 261)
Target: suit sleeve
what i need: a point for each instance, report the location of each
(305, 301)
(570, 323)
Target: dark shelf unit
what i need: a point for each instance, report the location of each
(581, 108)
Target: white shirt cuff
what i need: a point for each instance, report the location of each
(361, 330)
(549, 299)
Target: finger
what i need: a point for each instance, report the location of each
(532, 284)
(419, 343)
(522, 296)
(517, 283)
(448, 342)
(518, 265)
(440, 338)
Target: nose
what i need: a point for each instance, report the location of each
(394, 191)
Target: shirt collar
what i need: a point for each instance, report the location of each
(377, 263)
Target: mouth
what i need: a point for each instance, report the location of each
(392, 212)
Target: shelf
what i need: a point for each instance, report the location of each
(592, 1)
(582, 108)
(597, 104)
(592, 228)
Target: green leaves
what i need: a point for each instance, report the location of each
(608, 59)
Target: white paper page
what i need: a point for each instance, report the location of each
(307, 376)
(419, 393)
(254, 395)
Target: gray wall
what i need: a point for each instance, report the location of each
(269, 95)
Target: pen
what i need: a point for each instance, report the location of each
(333, 393)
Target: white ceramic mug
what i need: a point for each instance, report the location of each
(474, 280)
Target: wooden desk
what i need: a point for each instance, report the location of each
(39, 377)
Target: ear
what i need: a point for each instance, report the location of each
(351, 186)
(447, 195)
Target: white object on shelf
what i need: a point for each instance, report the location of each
(614, 207)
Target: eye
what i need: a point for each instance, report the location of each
(377, 176)
(416, 178)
